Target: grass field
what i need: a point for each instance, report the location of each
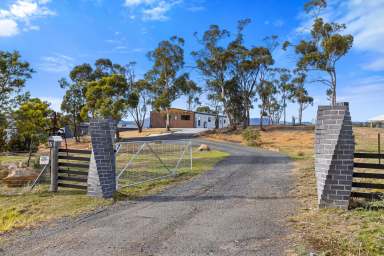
(359, 231)
(21, 208)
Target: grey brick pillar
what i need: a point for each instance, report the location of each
(334, 149)
(102, 176)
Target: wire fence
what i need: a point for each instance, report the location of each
(143, 161)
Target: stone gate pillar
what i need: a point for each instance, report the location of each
(102, 175)
(334, 149)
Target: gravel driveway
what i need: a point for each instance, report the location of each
(238, 208)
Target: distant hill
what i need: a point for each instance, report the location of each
(256, 121)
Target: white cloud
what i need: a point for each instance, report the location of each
(376, 65)
(137, 2)
(8, 28)
(20, 14)
(158, 12)
(151, 10)
(55, 102)
(56, 63)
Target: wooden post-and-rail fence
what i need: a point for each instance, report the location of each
(69, 167)
(369, 184)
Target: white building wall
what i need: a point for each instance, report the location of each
(223, 122)
(203, 120)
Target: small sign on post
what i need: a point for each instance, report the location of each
(44, 160)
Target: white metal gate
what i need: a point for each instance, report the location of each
(138, 162)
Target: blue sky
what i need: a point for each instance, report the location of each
(55, 35)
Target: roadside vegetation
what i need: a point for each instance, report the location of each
(358, 231)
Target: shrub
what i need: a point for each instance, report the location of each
(3, 143)
(251, 136)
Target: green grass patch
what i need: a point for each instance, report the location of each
(21, 208)
(6, 159)
(30, 208)
(202, 162)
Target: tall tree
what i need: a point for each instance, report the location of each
(73, 102)
(13, 75)
(286, 89)
(32, 122)
(325, 47)
(193, 95)
(167, 83)
(74, 97)
(138, 102)
(105, 67)
(248, 66)
(106, 98)
(300, 94)
(81, 76)
(214, 62)
(266, 90)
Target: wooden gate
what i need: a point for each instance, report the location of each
(368, 184)
(73, 166)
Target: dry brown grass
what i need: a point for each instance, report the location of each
(326, 231)
(144, 133)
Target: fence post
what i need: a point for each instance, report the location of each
(334, 148)
(54, 142)
(101, 176)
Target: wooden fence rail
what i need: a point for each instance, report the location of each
(368, 181)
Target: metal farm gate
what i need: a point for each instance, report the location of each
(138, 162)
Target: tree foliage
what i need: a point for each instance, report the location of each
(166, 81)
(325, 47)
(32, 122)
(106, 98)
(300, 94)
(139, 101)
(13, 75)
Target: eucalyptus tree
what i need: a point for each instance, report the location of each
(248, 66)
(79, 103)
(74, 97)
(72, 103)
(301, 95)
(323, 49)
(193, 96)
(107, 98)
(286, 89)
(266, 90)
(164, 76)
(138, 102)
(214, 63)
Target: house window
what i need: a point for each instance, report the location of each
(198, 122)
(224, 120)
(209, 119)
(185, 117)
